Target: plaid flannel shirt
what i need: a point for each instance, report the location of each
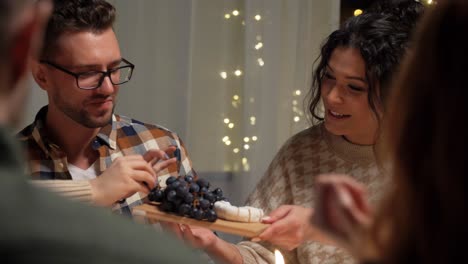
(122, 136)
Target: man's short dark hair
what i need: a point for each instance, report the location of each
(72, 16)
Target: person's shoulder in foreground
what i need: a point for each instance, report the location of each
(43, 228)
(37, 226)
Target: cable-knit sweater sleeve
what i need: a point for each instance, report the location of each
(76, 190)
(272, 191)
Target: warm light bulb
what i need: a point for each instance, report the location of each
(357, 12)
(223, 75)
(297, 119)
(226, 120)
(298, 92)
(236, 150)
(227, 16)
(278, 257)
(238, 72)
(235, 97)
(235, 13)
(258, 17)
(226, 138)
(246, 146)
(261, 62)
(254, 138)
(228, 142)
(252, 120)
(294, 102)
(246, 139)
(259, 46)
(231, 125)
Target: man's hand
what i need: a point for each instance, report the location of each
(159, 159)
(290, 227)
(128, 175)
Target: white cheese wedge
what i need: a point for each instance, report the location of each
(247, 214)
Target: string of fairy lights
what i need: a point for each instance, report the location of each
(239, 145)
(235, 143)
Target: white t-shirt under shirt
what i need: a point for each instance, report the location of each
(79, 174)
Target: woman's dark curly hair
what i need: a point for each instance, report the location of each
(382, 36)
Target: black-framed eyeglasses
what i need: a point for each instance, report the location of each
(93, 79)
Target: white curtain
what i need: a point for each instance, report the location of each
(186, 55)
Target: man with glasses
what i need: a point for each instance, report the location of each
(93, 79)
(77, 145)
(36, 226)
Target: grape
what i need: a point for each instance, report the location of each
(189, 178)
(210, 215)
(167, 206)
(175, 185)
(182, 191)
(182, 181)
(184, 209)
(194, 188)
(187, 196)
(218, 192)
(171, 196)
(203, 190)
(196, 213)
(203, 183)
(170, 180)
(156, 195)
(177, 202)
(204, 204)
(210, 197)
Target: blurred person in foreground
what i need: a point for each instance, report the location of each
(423, 217)
(37, 226)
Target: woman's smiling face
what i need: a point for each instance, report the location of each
(344, 92)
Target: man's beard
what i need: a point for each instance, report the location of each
(83, 118)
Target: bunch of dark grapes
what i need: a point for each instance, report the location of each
(187, 197)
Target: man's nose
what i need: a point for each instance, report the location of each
(107, 87)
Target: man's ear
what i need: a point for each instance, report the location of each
(37, 70)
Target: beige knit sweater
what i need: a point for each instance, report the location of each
(290, 180)
(76, 190)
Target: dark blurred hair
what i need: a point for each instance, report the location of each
(8, 10)
(382, 37)
(71, 16)
(424, 219)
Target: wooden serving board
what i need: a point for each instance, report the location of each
(152, 212)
